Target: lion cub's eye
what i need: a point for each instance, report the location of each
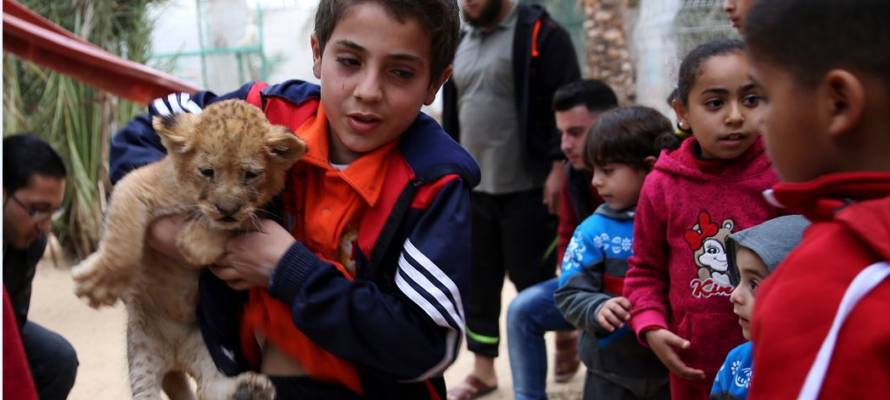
(251, 175)
(206, 172)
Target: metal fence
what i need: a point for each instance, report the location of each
(665, 31)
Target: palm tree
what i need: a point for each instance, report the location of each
(77, 119)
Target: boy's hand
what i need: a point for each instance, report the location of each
(161, 236)
(663, 343)
(613, 313)
(252, 256)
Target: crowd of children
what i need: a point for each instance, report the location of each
(359, 289)
(803, 100)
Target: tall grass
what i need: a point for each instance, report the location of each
(75, 118)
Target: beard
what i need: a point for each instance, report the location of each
(487, 16)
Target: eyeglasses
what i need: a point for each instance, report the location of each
(38, 216)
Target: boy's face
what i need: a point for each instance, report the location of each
(737, 10)
(574, 124)
(751, 272)
(375, 75)
(793, 126)
(618, 184)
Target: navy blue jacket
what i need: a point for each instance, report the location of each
(401, 320)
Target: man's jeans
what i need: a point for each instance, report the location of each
(531, 314)
(52, 359)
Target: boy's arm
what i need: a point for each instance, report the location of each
(646, 282)
(580, 291)
(411, 331)
(137, 144)
(581, 297)
(568, 221)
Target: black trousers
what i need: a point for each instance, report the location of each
(511, 235)
(597, 388)
(52, 359)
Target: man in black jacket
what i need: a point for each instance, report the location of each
(33, 189)
(510, 61)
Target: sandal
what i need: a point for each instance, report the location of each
(566, 360)
(471, 388)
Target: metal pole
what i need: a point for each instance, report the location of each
(264, 72)
(201, 44)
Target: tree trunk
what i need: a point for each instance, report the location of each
(608, 58)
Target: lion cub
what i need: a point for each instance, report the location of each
(222, 165)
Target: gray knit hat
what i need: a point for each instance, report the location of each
(771, 241)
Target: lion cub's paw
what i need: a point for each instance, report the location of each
(253, 386)
(98, 282)
(200, 246)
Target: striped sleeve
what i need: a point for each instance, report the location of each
(137, 143)
(411, 327)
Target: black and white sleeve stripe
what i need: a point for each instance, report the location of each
(422, 281)
(174, 103)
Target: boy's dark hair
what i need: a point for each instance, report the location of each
(26, 155)
(690, 68)
(811, 37)
(627, 135)
(594, 94)
(439, 18)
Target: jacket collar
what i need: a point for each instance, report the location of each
(365, 175)
(821, 198)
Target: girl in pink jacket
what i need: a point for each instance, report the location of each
(696, 196)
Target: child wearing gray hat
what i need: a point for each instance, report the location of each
(753, 254)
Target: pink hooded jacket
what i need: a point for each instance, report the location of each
(677, 278)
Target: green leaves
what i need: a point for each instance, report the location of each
(77, 119)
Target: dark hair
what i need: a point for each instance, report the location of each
(811, 37)
(690, 68)
(627, 135)
(439, 18)
(26, 155)
(593, 94)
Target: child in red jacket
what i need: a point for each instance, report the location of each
(821, 327)
(695, 197)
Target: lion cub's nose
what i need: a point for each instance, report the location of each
(228, 210)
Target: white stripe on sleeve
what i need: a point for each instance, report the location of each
(862, 284)
(174, 103)
(160, 107)
(437, 273)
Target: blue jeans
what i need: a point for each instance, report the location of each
(52, 359)
(531, 314)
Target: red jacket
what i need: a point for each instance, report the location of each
(17, 381)
(796, 306)
(577, 201)
(677, 276)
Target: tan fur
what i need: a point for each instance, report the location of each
(233, 139)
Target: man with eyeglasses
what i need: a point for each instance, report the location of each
(33, 189)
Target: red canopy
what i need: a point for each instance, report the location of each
(34, 38)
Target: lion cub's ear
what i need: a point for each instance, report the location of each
(175, 131)
(284, 147)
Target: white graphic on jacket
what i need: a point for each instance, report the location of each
(585, 249)
(741, 376)
(708, 243)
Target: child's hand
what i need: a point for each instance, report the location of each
(614, 313)
(252, 256)
(663, 343)
(161, 236)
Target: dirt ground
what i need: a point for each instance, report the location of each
(99, 338)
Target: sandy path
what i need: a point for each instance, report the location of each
(99, 337)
